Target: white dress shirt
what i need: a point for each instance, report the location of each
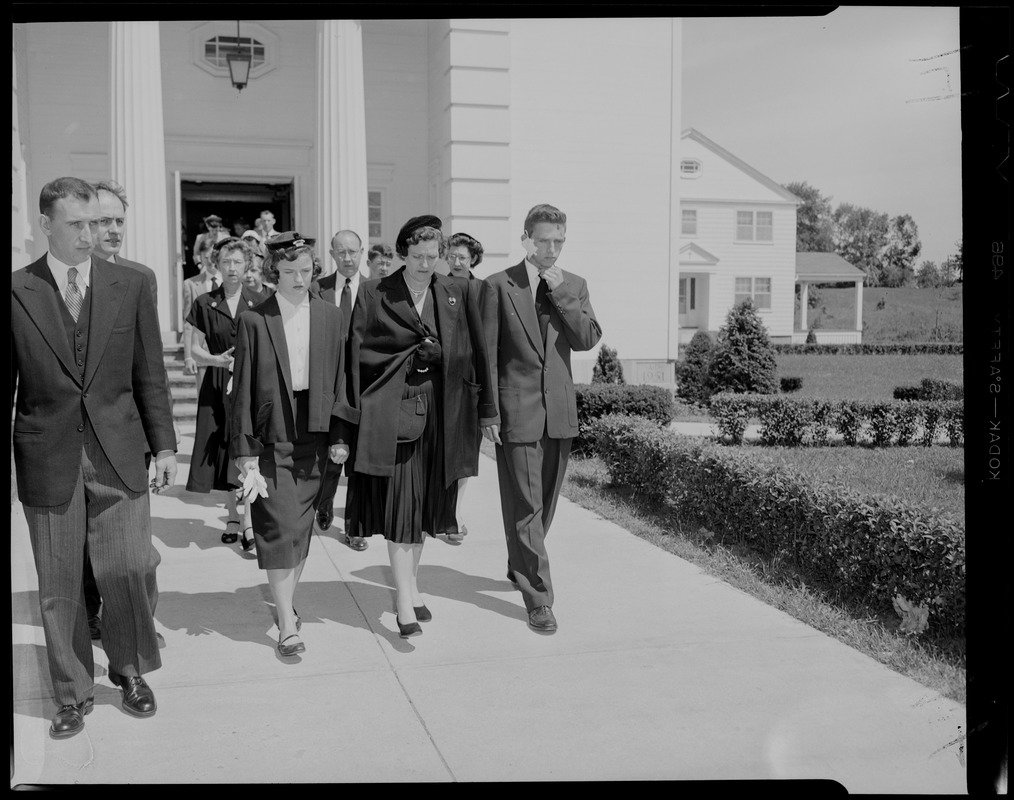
(534, 276)
(60, 270)
(296, 322)
(339, 286)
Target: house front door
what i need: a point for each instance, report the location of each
(688, 303)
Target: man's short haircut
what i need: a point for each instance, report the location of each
(544, 213)
(380, 249)
(113, 188)
(349, 233)
(471, 244)
(204, 246)
(61, 188)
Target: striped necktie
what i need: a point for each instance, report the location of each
(73, 296)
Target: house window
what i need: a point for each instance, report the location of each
(689, 226)
(751, 227)
(756, 289)
(375, 199)
(690, 168)
(218, 48)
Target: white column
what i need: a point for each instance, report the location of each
(675, 151)
(137, 153)
(859, 308)
(804, 303)
(341, 133)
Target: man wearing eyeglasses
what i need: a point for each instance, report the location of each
(340, 288)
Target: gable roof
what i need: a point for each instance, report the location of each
(826, 267)
(695, 255)
(721, 152)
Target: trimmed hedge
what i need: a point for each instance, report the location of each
(931, 389)
(790, 384)
(871, 549)
(881, 349)
(597, 399)
(796, 421)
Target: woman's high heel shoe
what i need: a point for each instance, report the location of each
(245, 543)
(405, 631)
(229, 537)
(291, 649)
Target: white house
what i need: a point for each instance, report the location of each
(738, 241)
(364, 123)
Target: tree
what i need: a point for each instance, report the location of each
(743, 359)
(859, 236)
(928, 276)
(607, 367)
(952, 270)
(902, 248)
(692, 371)
(813, 219)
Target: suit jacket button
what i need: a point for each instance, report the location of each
(80, 427)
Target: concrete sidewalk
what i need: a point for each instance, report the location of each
(658, 672)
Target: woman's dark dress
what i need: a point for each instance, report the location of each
(413, 501)
(210, 466)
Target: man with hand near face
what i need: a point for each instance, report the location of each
(91, 399)
(534, 315)
(341, 288)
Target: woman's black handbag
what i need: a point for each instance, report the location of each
(412, 418)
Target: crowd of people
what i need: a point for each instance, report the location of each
(391, 379)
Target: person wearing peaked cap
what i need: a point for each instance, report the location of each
(213, 230)
(286, 384)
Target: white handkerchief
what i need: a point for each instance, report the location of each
(254, 486)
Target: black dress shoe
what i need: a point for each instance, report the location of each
(93, 628)
(69, 720)
(138, 698)
(405, 631)
(541, 619)
(325, 516)
(356, 542)
(422, 613)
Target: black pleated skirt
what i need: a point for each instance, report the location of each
(283, 521)
(412, 502)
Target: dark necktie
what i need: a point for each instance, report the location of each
(346, 306)
(73, 296)
(542, 306)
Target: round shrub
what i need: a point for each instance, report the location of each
(791, 384)
(743, 359)
(692, 370)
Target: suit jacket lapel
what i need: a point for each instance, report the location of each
(43, 307)
(107, 293)
(446, 307)
(520, 292)
(276, 330)
(396, 300)
(320, 346)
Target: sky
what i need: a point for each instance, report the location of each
(862, 104)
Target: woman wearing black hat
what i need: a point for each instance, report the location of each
(288, 372)
(417, 384)
(214, 319)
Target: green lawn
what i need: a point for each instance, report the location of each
(863, 377)
(929, 477)
(906, 315)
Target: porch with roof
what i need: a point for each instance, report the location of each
(825, 268)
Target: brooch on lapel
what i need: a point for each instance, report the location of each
(452, 300)
(249, 303)
(214, 305)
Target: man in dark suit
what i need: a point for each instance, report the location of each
(108, 242)
(534, 315)
(347, 253)
(90, 396)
